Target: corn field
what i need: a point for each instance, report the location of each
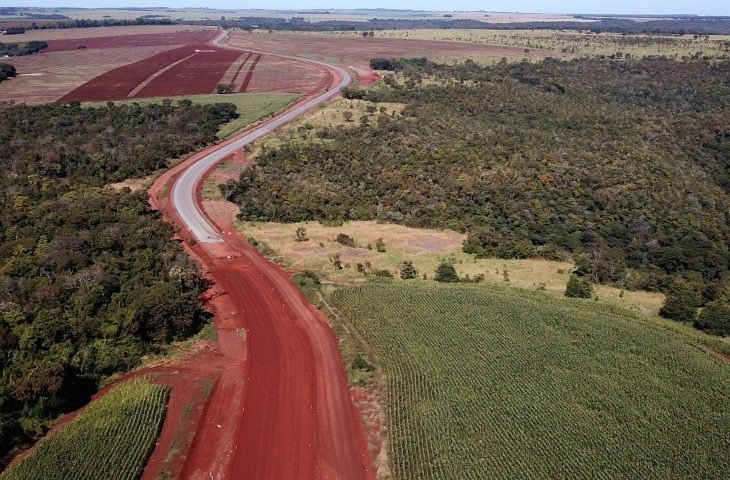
(487, 383)
(111, 439)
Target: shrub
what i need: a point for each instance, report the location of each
(383, 273)
(224, 88)
(302, 235)
(446, 273)
(346, 240)
(407, 270)
(380, 245)
(715, 319)
(679, 308)
(578, 287)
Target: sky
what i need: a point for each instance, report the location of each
(699, 7)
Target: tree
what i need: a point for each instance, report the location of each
(347, 115)
(446, 273)
(715, 319)
(6, 71)
(578, 287)
(380, 245)
(302, 234)
(224, 88)
(407, 270)
(679, 307)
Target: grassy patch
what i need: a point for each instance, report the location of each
(573, 44)
(504, 383)
(111, 438)
(330, 115)
(251, 107)
(426, 248)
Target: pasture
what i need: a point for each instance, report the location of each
(500, 383)
(111, 438)
(574, 44)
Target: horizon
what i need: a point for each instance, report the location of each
(707, 8)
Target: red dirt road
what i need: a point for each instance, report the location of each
(281, 407)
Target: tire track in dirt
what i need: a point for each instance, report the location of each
(249, 74)
(235, 70)
(158, 73)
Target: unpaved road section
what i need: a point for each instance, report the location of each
(281, 409)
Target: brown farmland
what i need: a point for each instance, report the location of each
(357, 51)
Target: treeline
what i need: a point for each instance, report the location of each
(20, 49)
(90, 279)
(622, 165)
(678, 26)
(105, 22)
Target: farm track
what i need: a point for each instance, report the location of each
(281, 408)
(249, 74)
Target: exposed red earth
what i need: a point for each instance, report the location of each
(199, 73)
(281, 408)
(141, 40)
(192, 69)
(198, 69)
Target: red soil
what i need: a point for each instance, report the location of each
(274, 74)
(348, 50)
(198, 74)
(280, 409)
(118, 83)
(252, 66)
(142, 40)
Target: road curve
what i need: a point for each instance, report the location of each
(184, 196)
(281, 408)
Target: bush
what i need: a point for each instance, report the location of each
(715, 319)
(6, 71)
(446, 273)
(578, 287)
(408, 271)
(346, 240)
(678, 308)
(224, 88)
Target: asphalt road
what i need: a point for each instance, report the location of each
(184, 195)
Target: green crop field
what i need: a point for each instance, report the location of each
(111, 439)
(488, 382)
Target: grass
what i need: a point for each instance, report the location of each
(504, 383)
(111, 438)
(330, 114)
(572, 44)
(426, 248)
(251, 107)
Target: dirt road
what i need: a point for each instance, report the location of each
(280, 407)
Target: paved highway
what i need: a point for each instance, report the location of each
(184, 195)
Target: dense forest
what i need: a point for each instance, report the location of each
(90, 279)
(622, 165)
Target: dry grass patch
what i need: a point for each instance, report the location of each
(332, 114)
(426, 249)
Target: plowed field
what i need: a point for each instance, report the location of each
(144, 40)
